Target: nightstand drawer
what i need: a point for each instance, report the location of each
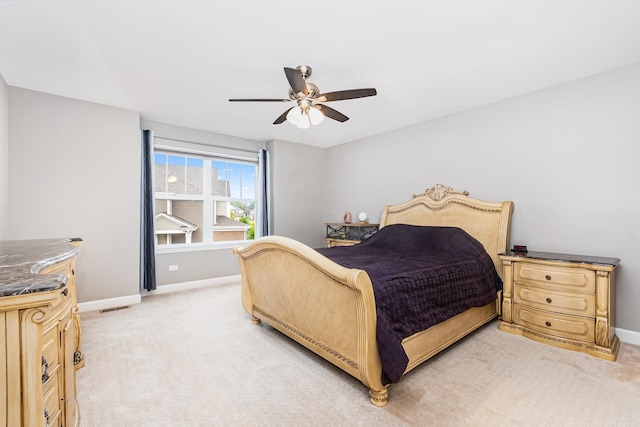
(559, 302)
(559, 278)
(575, 328)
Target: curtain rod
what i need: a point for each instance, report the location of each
(206, 145)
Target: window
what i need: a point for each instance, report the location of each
(203, 199)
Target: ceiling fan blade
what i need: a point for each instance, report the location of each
(348, 94)
(332, 114)
(296, 80)
(259, 100)
(282, 117)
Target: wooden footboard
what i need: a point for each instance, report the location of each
(325, 307)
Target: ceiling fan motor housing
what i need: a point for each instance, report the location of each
(312, 92)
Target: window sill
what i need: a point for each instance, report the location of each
(194, 247)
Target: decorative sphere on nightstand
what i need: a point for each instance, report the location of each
(362, 216)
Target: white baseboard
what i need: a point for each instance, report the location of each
(109, 303)
(183, 286)
(631, 337)
(104, 304)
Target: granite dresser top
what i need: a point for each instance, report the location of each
(22, 260)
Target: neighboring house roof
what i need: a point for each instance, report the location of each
(193, 183)
(166, 223)
(228, 223)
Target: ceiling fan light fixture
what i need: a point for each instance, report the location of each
(294, 115)
(315, 115)
(304, 116)
(304, 122)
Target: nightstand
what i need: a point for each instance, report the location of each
(564, 300)
(339, 234)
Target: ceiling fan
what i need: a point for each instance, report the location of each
(309, 108)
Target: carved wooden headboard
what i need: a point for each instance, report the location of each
(488, 222)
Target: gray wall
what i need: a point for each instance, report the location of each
(4, 157)
(567, 156)
(56, 190)
(299, 187)
(75, 172)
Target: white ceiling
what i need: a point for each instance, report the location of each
(179, 62)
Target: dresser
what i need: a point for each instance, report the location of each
(564, 300)
(39, 333)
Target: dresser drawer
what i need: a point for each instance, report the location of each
(50, 350)
(552, 324)
(51, 401)
(558, 302)
(558, 278)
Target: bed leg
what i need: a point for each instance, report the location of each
(379, 398)
(255, 320)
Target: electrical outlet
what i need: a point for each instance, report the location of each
(173, 268)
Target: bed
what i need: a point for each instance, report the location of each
(331, 309)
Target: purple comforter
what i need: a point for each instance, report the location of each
(421, 276)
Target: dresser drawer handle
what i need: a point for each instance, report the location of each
(65, 292)
(549, 300)
(46, 417)
(547, 277)
(45, 373)
(548, 324)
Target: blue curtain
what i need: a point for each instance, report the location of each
(262, 220)
(147, 234)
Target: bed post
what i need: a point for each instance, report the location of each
(379, 398)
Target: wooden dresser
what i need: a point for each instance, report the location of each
(563, 300)
(39, 333)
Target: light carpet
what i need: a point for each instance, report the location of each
(195, 359)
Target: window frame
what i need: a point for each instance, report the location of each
(207, 198)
